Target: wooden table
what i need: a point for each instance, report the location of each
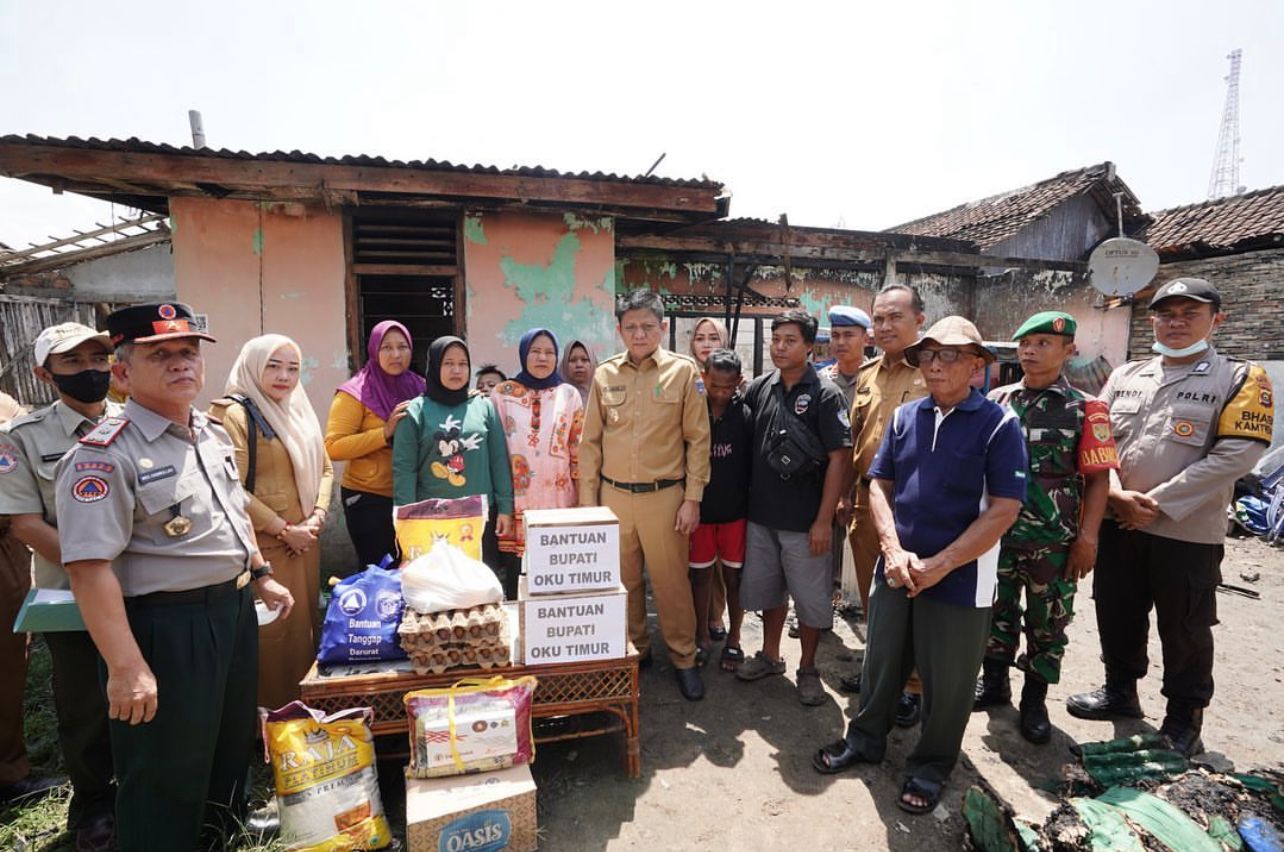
(601, 688)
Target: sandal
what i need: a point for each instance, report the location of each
(919, 788)
(838, 757)
(759, 666)
(717, 633)
(811, 692)
(701, 656)
(732, 657)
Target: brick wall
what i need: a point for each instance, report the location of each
(1252, 288)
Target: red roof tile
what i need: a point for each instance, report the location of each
(992, 220)
(1237, 222)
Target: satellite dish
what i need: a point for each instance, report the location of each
(1121, 267)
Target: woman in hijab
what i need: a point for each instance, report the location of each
(363, 417)
(450, 444)
(577, 367)
(289, 484)
(542, 418)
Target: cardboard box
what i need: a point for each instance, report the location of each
(48, 611)
(572, 628)
(572, 550)
(487, 811)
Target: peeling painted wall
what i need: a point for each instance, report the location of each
(1004, 301)
(526, 270)
(265, 268)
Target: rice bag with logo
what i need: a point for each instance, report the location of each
(327, 790)
(361, 621)
(458, 521)
(474, 726)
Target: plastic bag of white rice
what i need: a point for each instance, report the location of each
(326, 787)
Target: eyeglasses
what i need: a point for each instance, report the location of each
(647, 328)
(946, 356)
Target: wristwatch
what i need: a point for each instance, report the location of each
(264, 570)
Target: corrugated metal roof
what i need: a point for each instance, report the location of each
(138, 146)
(992, 220)
(1219, 225)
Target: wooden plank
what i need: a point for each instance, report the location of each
(351, 299)
(81, 236)
(28, 161)
(71, 258)
(404, 269)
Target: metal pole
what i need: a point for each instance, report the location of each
(198, 128)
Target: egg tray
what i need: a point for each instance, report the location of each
(437, 642)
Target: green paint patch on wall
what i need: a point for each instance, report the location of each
(596, 223)
(813, 304)
(256, 242)
(473, 230)
(547, 296)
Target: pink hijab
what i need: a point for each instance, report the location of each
(374, 388)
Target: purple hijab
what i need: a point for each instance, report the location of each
(374, 388)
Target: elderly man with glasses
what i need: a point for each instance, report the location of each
(948, 481)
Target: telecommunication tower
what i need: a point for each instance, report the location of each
(1224, 180)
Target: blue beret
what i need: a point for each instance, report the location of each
(846, 315)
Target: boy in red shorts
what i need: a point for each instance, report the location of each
(721, 533)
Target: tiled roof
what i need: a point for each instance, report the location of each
(138, 146)
(992, 220)
(1218, 226)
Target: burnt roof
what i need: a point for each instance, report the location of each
(135, 145)
(992, 220)
(1223, 226)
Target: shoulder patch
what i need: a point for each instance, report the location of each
(1250, 413)
(90, 489)
(105, 432)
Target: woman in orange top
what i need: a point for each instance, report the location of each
(363, 419)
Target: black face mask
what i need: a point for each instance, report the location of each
(85, 386)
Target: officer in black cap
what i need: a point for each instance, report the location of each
(164, 567)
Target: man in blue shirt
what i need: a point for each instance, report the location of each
(948, 481)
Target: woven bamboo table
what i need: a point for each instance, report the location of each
(606, 689)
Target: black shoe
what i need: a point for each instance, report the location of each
(1116, 700)
(908, 710)
(690, 684)
(1035, 725)
(837, 757)
(97, 834)
(265, 822)
(30, 787)
(993, 689)
(849, 683)
(1181, 728)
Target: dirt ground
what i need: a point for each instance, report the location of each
(733, 771)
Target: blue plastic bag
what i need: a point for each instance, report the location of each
(361, 621)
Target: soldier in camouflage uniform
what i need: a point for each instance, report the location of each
(1054, 540)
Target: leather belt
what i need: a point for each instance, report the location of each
(643, 487)
(190, 596)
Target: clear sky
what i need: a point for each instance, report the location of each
(849, 114)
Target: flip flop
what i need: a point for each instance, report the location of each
(928, 791)
(718, 633)
(732, 657)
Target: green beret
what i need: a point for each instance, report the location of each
(1047, 322)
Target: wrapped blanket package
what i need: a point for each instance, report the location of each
(473, 726)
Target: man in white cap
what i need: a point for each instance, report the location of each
(948, 481)
(73, 359)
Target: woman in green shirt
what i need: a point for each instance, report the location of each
(451, 444)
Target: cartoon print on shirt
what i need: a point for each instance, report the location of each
(451, 446)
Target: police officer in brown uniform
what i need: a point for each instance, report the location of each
(162, 564)
(72, 358)
(1187, 424)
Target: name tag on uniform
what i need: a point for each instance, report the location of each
(150, 476)
(51, 457)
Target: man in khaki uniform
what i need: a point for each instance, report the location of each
(645, 455)
(1187, 423)
(74, 359)
(883, 384)
(161, 564)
